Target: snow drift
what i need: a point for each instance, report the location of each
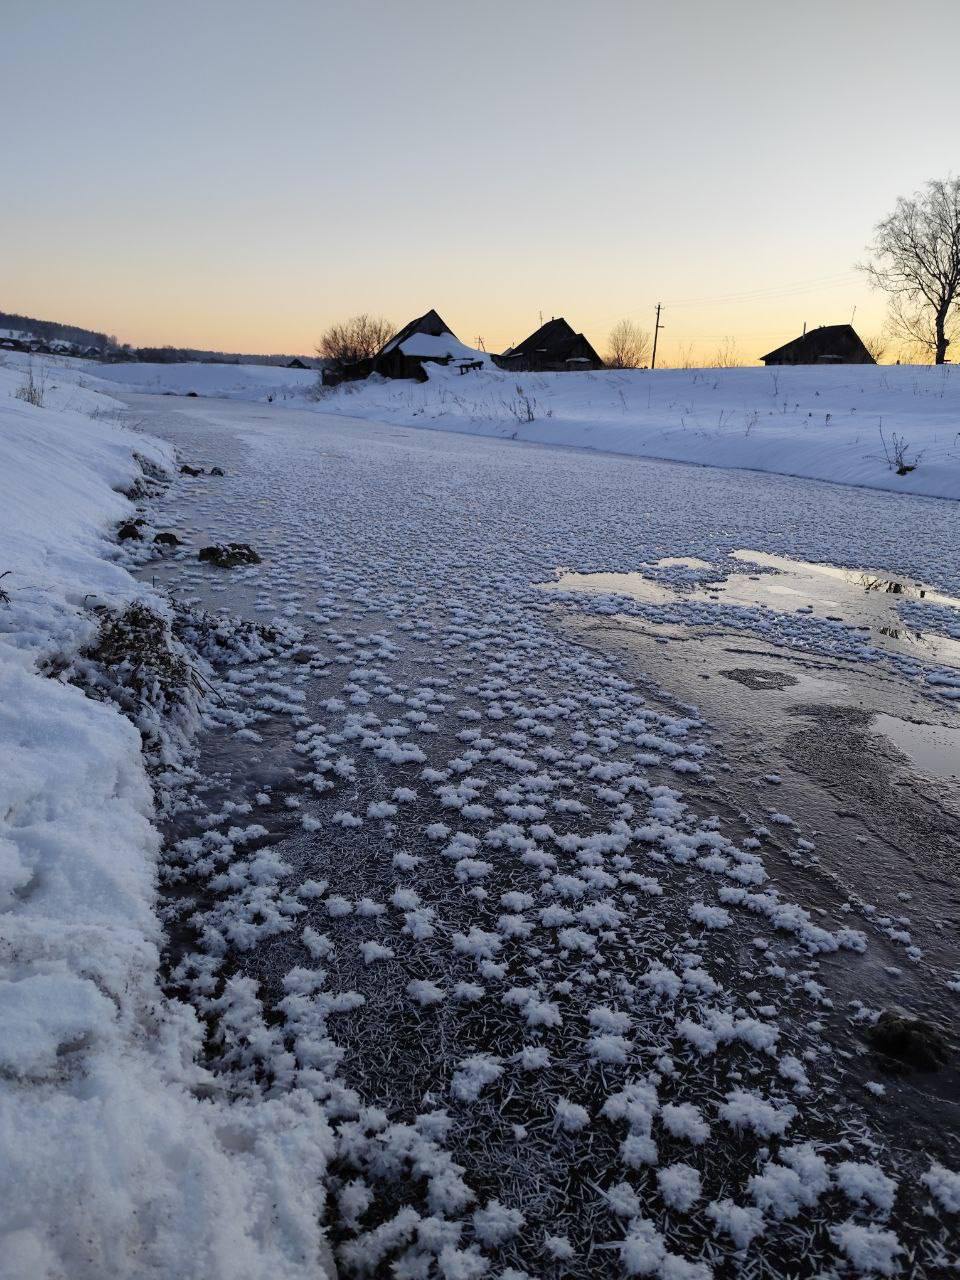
(851, 424)
(116, 1156)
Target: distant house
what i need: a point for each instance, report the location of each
(554, 347)
(297, 363)
(18, 340)
(427, 339)
(830, 344)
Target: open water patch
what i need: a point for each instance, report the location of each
(932, 748)
(867, 604)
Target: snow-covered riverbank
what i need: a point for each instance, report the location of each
(844, 424)
(850, 424)
(111, 1164)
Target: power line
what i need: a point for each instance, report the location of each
(798, 289)
(835, 281)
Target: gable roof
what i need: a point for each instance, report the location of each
(839, 339)
(555, 338)
(430, 323)
(548, 337)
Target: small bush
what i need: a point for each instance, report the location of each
(32, 390)
(895, 453)
(524, 407)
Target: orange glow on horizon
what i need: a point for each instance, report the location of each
(690, 334)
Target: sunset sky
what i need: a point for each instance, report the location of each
(235, 174)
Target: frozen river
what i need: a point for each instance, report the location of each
(575, 913)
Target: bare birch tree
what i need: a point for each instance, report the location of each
(628, 345)
(916, 261)
(355, 339)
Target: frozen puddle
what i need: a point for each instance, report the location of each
(863, 600)
(932, 748)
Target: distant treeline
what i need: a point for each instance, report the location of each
(53, 331)
(179, 355)
(47, 331)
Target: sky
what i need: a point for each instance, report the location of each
(237, 175)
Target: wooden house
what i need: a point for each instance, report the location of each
(427, 339)
(554, 347)
(830, 344)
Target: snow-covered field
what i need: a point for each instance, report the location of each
(116, 1159)
(840, 424)
(459, 966)
(816, 422)
(228, 381)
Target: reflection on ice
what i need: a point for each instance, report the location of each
(866, 600)
(932, 748)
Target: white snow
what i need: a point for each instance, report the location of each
(866, 1183)
(226, 381)
(822, 423)
(495, 1223)
(745, 1110)
(741, 1224)
(437, 347)
(817, 422)
(872, 1250)
(571, 1116)
(684, 1120)
(111, 1162)
(944, 1185)
(473, 1074)
(679, 1185)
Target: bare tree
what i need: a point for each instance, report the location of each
(916, 260)
(355, 339)
(726, 355)
(628, 345)
(685, 357)
(877, 346)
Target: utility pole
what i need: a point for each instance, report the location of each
(656, 331)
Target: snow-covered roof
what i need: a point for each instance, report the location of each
(429, 346)
(429, 323)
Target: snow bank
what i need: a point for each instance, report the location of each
(226, 381)
(842, 424)
(114, 1157)
(819, 423)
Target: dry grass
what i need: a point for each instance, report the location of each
(33, 389)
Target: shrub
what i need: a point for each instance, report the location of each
(33, 389)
